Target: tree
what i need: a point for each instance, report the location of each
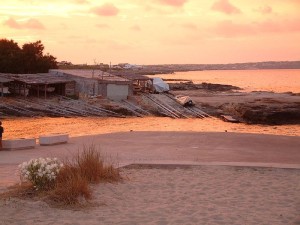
(28, 59)
(10, 54)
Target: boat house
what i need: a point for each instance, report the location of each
(4, 82)
(38, 84)
(97, 82)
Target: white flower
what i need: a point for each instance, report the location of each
(39, 171)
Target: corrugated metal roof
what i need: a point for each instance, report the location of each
(45, 78)
(4, 78)
(92, 74)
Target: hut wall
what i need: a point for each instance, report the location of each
(102, 89)
(85, 86)
(117, 92)
(70, 88)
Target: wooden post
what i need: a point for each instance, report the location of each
(25, 90)
(45, 91)
(2, 90)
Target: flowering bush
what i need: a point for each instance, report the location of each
(41, 172)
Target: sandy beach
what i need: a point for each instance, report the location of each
(178, 195)
(218, 178)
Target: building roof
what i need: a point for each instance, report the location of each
(43, 78)
(4, 79)
(92, 74)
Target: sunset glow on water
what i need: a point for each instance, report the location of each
(249, 80)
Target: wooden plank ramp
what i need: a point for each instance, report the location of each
(165, 109)
(193, 110)
(137, 108)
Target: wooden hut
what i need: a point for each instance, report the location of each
(40, 84)
(4, 82)
(97, 82)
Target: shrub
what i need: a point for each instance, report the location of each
(92, 166)
(70, 186)
(67, 183)
(41, 172)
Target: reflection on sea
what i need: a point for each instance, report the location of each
(250, 80)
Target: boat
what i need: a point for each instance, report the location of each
(228, 118)
(184, 100)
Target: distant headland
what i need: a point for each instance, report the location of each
(120, 69)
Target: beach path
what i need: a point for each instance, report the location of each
(193, 148)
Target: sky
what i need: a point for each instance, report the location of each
(156, 31)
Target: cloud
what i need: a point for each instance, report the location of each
(227, 28)
(102, 25)
(107, 9)
(264, 10)
(225, 6)
(175, 3)
(135, 28)
(12, 24)
(31, 24)
(81, 1)
(279, 27)
(190, 26)
(34, 24)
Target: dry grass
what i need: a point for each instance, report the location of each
(93, 167)
(23, 190)
(70, 187)
(72, 183)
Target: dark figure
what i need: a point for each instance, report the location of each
(1, 131)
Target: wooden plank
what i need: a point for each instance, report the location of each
(172, 114)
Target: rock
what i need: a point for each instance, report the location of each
(264, 114)
(189, 85)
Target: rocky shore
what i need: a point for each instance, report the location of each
(248, 107)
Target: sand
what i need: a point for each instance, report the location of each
(178, 195)
(235, 179)
(82, 126)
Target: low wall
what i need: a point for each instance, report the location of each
(17, 144)
(53, 139)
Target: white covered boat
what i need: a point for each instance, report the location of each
(184, 100)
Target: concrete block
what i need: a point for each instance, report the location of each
(18, 144)
(53, 139)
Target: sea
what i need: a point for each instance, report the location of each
(279, 81)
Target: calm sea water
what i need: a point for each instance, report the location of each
(250, 80)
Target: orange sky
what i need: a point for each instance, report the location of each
(157, 31)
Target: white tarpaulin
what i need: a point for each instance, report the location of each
(159, 85)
